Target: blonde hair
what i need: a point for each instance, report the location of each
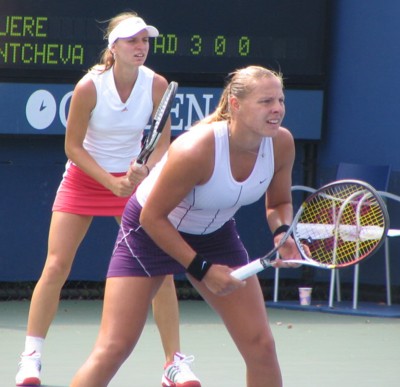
(106, 57)
(239, 83)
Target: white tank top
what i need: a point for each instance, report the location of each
(115, 128)
(209, 206)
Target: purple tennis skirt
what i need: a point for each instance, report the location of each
(135, 253)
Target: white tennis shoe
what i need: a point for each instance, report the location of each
(29, 370)
(178, 372)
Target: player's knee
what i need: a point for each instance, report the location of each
(116, 350)
(262, 349)
(55, 272)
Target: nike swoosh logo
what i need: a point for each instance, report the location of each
(203, 265)
(262, 181)
(42, 106)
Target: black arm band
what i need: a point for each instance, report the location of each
(198, 267)
(281, 229)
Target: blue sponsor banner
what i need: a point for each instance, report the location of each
(43, 109)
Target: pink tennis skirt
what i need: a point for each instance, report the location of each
(79, 194)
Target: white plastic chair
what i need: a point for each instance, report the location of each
(378, 176)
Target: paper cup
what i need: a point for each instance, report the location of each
(305, 296)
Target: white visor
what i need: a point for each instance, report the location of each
(130, 27)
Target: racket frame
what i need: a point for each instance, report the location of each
(269, 259)
(158, 123)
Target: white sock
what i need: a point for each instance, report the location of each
(33, 345)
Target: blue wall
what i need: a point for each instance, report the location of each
(362, 117)
(362, 103)
(30, 170)
(360, 125)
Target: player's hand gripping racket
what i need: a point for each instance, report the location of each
(341, 224)
(158, 123)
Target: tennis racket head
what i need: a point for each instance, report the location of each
(341, 224)
(158, 123)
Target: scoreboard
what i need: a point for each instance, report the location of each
(199, 41)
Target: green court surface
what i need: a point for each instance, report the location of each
(315, 349)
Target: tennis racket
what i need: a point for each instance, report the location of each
(338, 225)
(158, 123)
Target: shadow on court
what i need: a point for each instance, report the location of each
(314, 349)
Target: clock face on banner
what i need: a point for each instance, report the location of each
(41, 109)
(199, 42)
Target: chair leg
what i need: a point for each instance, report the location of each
(335, 280)
(387, 272)
(355, 286)
(276, 285)
(332, 288)
(338, 289)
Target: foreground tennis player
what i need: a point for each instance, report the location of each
(181, 220)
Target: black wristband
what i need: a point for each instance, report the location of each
(281, 229)
(198, 267)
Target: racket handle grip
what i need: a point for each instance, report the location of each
(248, 270)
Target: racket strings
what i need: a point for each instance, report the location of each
(341, 225)
(160, 114)
(165, 103)
(160, 118)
